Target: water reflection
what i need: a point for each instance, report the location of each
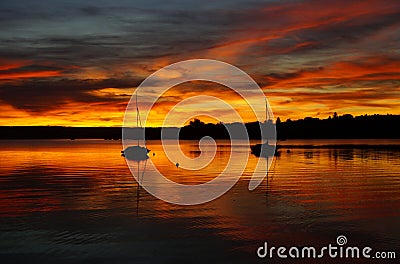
(77, 198)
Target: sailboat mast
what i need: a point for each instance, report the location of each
(137, 112)
(266, 122)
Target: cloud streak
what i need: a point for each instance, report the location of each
(66, 60)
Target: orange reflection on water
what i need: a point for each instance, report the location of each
(310, 189)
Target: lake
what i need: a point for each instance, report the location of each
(65, 201)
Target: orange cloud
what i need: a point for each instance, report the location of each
(311, 58)
(19, 69)
(292, 18)
(40, 74)
(6, 64)
(339, 73)
(187, 90)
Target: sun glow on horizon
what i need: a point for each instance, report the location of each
(310, 58)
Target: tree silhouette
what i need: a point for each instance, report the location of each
(345, 126)
(196, 123)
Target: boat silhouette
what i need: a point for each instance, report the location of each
(136, 153)
(264, 150)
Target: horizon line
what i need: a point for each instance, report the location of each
(293, 120)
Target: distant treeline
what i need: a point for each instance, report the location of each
(345, 126)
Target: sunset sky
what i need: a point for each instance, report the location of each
(77, 63)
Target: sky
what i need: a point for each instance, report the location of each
(77, 63)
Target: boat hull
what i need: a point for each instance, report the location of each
(264, 150)
(136, 153)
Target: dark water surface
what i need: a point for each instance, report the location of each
(67, 201)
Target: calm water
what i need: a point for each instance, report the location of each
(76, 201)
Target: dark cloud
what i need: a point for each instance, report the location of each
(39, 96)
(312, 44)
(91, 10)
(30, 68)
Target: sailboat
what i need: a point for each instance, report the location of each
(137, 152)
(264, 150)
